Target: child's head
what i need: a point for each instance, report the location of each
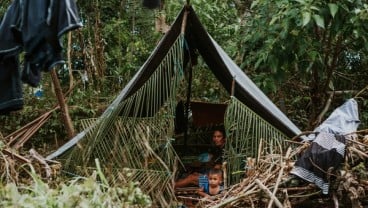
(215, 177)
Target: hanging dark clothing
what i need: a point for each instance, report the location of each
(326, 153)
(35, 27)
(9, 36)
(11, 95)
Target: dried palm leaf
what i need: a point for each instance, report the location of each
(137, 133)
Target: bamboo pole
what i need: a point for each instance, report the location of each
(25, 132)
(19, 137)
(15, 155)
(63, 106)
(268, 192)
(282, 167)
(31, 131)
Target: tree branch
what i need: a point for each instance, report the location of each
(325, 109)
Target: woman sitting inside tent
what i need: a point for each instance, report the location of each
(213, 159)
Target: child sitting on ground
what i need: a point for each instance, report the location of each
(212, 184)
(215, 160)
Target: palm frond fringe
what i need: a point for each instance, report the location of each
(248, 135)
(126, 139)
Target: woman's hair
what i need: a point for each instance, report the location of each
(220, 129)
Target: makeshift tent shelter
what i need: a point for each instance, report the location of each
(136, 130)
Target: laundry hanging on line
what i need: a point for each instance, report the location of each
(35, 28)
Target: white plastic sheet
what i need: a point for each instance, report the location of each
(343, 120)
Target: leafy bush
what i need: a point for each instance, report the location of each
(78, 192)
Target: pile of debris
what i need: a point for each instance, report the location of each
(17, 167)
(268, 181)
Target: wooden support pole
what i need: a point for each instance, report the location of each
(184, 23)
(69, 51)
(233, 87)
(189, 89)
(269, 193)
(63, 106)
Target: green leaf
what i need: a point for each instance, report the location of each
(319, 21)
(333, 9)
(273, 20)
(301, 2)
(306, 18)
(314, 8)
(254, 4)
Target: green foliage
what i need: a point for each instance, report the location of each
(78, 192)
(219, 17)
(306, 43)
(205, 86)
(124, 26)
(2, 9)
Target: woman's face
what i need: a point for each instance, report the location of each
(218, 138)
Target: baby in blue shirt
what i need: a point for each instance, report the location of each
(212, 184)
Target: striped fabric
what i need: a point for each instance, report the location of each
(325, 154)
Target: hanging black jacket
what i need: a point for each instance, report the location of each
(35, 27)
